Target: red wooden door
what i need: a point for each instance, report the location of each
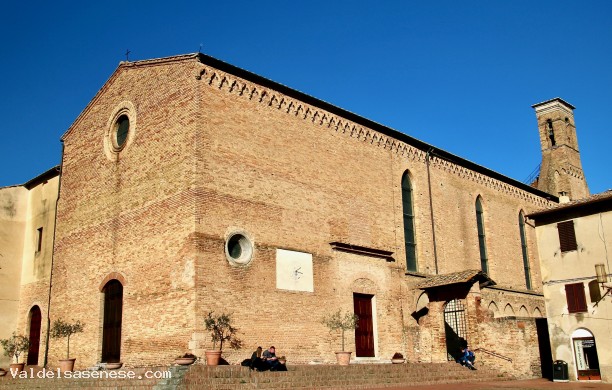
(35, 319)
(364, 333)
(111, 334)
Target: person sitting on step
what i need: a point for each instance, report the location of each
(269, 357)
(467, 358)
(257, 362)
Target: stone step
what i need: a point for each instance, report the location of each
(302, 377)
(323, 377)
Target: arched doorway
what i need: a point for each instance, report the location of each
(455, 328)
(585, 355)
(35, 320)
(111, 332)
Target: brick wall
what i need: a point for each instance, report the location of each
(211, 154)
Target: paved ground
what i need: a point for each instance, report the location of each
(530, 384)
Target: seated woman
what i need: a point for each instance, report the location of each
(257, 362)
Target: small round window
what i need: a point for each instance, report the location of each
(239, 249)
(122, 128)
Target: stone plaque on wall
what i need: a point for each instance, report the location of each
(294, 271)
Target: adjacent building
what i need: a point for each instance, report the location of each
(27, 222)
(572, 239)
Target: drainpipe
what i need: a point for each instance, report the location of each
(59, 186)
(433, 227)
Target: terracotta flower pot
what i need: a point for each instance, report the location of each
(212, 357)
(113, 366)
(17, 367)
(343, 358)
(397, 361)
(185, 361)
(66, 365)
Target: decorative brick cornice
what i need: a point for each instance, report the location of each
(275, 100)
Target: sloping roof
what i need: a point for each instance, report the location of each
(575, 204)
(467, 276)
(558, 99)
(48, 174)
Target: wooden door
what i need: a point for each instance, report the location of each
(111, 334)
(364, 333)
(35, 319)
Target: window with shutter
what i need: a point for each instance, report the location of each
(576, 299)
(409, 233)
(482, 241)
(567, 236)
(524, 250)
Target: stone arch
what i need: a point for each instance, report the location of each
(364, 286)
(111, 276)
(422, 301)
(537, 313)
(508, 311)
(493, 309)
(523, 312)
(421, 307)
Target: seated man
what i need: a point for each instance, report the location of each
(467, 358)
(471, 356)
(269, 357)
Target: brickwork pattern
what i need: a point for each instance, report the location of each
(213, 153)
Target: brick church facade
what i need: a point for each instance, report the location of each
(189, 185)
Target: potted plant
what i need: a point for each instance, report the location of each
(13, 347)
(397, 358)
(343, 322)
(186, 359)
(221, 329)
(61, 329)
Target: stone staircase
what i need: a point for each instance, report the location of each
(355, 376)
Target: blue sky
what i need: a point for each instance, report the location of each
(460, 75)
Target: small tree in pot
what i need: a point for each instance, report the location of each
(13, 347)
(221, 329)
(61, 329)
(343, 322)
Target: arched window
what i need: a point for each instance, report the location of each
(409, 236)
(551, 132)
(482, 242)
(524, 248)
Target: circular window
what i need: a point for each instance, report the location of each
(122, 128)
(239, 249)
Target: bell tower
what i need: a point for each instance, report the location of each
(561, 170)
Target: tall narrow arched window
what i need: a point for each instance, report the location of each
(482, 242)
(524, 248)
(551, 132)
(409, 236)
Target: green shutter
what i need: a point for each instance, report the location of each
(409, 233)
